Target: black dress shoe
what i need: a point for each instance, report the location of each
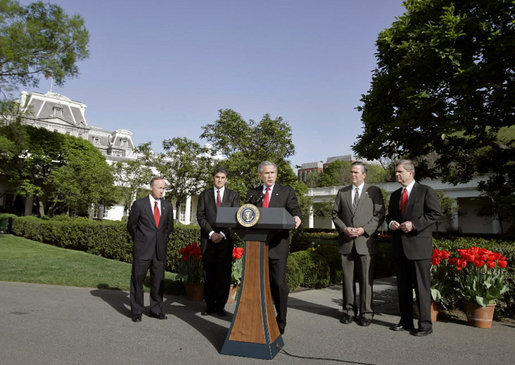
(365, 321)
(401, 327)
(282, 327)
(136, 317)
(207, 312)
(158, 315)
(221, 312)
(421, 332)
(346, 318)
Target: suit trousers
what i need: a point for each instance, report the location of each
(414, 274)
(157, 276)
(362, 266)
(279, 287)
(217, 260)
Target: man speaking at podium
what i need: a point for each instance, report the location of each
(275, 195)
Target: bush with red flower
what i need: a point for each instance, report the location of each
(480, 275)
(237, 265)
(190, 268)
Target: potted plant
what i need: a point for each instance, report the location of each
(480, 282)
(236, 273)
(191, 271)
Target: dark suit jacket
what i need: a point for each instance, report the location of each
(369, 215)
(423, 210)
(282, 197)
(146, 236)
(206, 213)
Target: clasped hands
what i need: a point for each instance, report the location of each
(404, 226)
(353, 232)
(217, 237)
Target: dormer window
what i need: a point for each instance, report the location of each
(57, 111)
(125, 143)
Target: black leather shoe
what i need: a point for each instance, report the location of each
(207, 312)
(364, 321)
(346, 318)
(421, 332)
(158, 315)
(282, 327)
(136, 317)
(221, 312)
(401, 327)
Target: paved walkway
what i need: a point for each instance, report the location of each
(46, 324)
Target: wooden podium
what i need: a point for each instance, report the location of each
(254, 331)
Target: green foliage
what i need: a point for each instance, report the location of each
(103, 238)
(24, 260)
(336, 173)
(131, 175)
(294, 273)
(442, 92)
(84, 178)
(185, 165)
(246, 144)
(334, 259)
(39, 40)
(63, 173)
(315, 268)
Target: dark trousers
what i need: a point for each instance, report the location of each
(279, 287)
(217, 260)
(358, 267)
(414, 274)
(157, 277)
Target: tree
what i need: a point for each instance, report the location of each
(186, 166)
(246, 144)
(39, 40)
(443, 92)
(130, 176)
(336, 173)
(82, 178)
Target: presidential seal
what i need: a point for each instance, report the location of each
(248, 215)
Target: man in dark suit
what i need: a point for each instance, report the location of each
(150, 224)
(217, 243)
(274, 195)
(412, 213)
(358, 212)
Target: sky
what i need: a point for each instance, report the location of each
(164, 68)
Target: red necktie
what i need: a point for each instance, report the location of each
(266, 200)
(157, 216)
(404, 200)
(218, 199)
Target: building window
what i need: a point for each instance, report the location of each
(57, 111)
(182, 212)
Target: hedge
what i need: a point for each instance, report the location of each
(314, 267)
(108, 239)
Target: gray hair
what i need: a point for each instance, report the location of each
(266, 163)
(408, 165)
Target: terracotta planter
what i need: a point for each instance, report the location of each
(194, 291)
(478, 316)
(435, 309)
(233, 292)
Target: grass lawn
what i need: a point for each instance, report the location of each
(34, 262)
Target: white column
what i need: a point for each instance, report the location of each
(455, 223)
(187, 211)
(311, 219)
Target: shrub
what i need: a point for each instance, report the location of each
(103, 238)
(294, 273)
(334, 260)
(314, 267)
